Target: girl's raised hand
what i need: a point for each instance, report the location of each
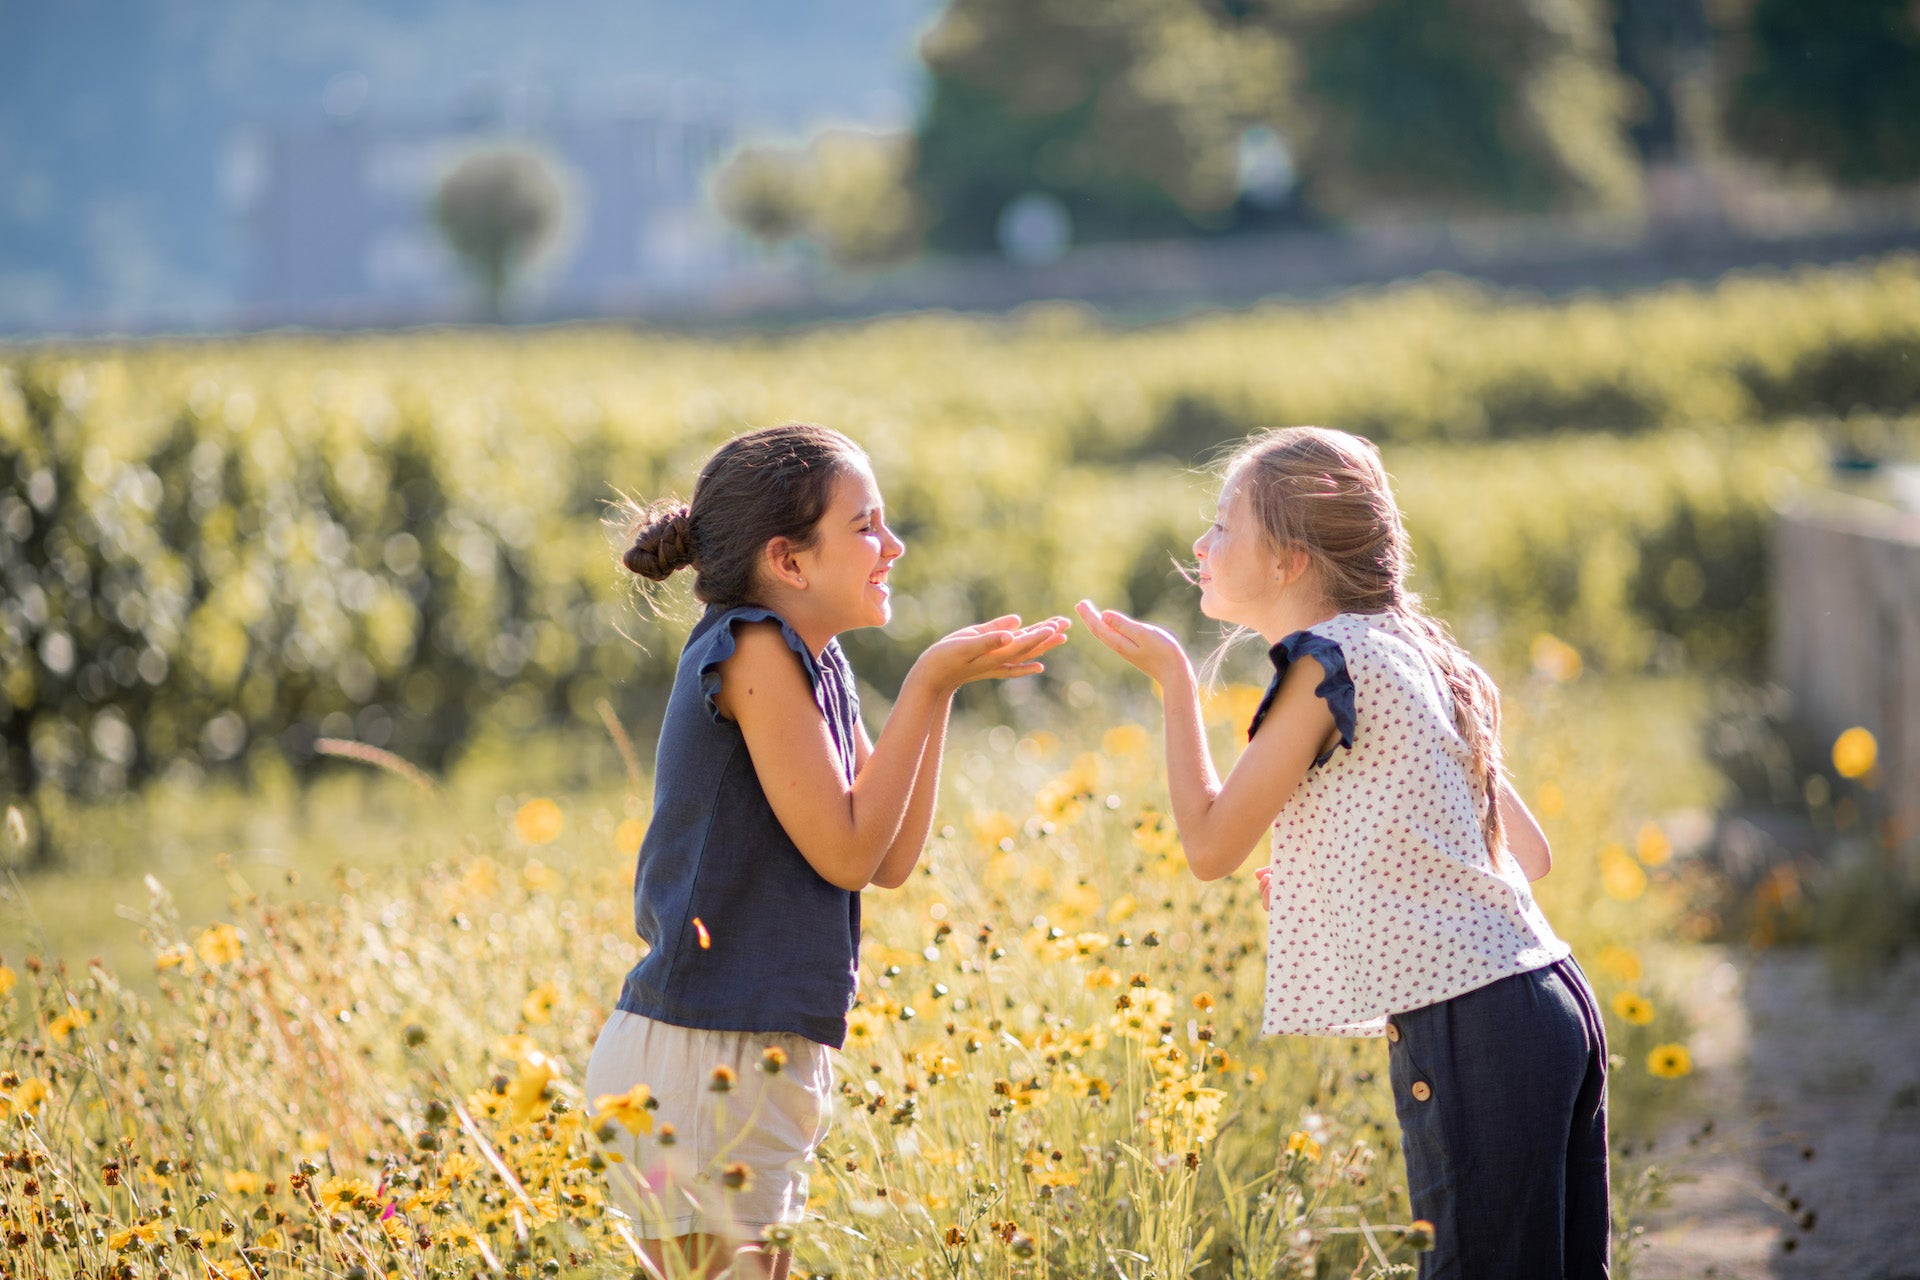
(1152, 649)
(996, 650)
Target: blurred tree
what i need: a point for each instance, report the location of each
(1659, 44)
(1835, 86)
(1464, 104)
(1129, 112)
(500, 210)
(845, 192)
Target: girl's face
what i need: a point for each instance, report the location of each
(853, 551)
(1238, 572)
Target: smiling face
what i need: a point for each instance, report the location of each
(846, 568)
(1238, 572)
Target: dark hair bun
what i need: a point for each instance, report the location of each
(662, 544)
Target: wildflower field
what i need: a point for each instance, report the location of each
(269, 1012)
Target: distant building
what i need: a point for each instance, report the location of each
(337, 220)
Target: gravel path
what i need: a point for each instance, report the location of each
(1791, 1064)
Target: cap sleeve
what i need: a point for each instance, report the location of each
(1335, 687)
(719, 644)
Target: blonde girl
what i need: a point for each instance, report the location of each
(1398, 890)
(772, 810)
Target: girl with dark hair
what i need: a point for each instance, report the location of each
(1398, 889)
(772, 811)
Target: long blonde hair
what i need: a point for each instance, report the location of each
(1326, 493)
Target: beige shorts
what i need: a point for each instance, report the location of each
(768, 1125)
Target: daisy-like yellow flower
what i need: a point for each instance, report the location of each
(226, 1270)
(219, 944)
(632, 1110)
(26, 1096)
(538, 821)
(1652, 846)
(1855, 753)
(993, 829)
(487, 1104)
(179, 956)
(339, 1195)
(537, 1008)
(240, 1182)
(1140, 1013)
(1620, 875)
(1301, 1143)
(8, 979)
(1126, 740)
(1670, 1061)
(527, 1095)
(139, 1232)
(1619, 964)
(67, 1023)
(1633, 1008)
(458, 1167)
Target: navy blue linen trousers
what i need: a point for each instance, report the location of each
(1502, 1099)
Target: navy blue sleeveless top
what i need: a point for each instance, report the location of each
(743, 934)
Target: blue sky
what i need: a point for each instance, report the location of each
(115, 115)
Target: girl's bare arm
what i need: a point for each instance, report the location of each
(1525, 840)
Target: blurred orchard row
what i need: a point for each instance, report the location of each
(216, 552)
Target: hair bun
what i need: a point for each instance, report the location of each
(662, 544)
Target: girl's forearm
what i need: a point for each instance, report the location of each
(883, 794)
(904, 853)
(1192, 784)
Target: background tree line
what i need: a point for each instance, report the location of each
(1121, 119)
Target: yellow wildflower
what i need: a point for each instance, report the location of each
(1633, 1008)
(1140, 1013)
(537, 1008)
(24, 1097)
(628, 835)
(632, 1110)
(1670, 1061)
(8, 978)
(341, 1194)
(179, 956)
(1619, 963)
(481, 878)
(993, 829)
(538, 821)
(240, 1182)
(527, 1095)
(1126, 740)
(1123, 906)
(538, 877)
(1301, 1143)
(458, 1167)
(1620, 875)
(1652, 846)
(1854, 753)
(219, 944)
(140, 1232)
(67, 1023)
(487, 1104)
(1555, 659)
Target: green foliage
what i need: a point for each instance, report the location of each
(1128, 113)
(846, 192)
(500, 210)
(1467, 104)
(215, 553)
(1834, 87)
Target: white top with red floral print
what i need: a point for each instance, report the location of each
(1384, 895)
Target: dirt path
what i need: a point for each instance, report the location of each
(1816, 1094)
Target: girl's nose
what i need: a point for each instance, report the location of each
(1200, 545)
(893, 548)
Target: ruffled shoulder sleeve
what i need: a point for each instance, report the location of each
(1335, 687)
(717, 642)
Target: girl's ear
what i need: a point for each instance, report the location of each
(782, 566)
(1291, 565)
